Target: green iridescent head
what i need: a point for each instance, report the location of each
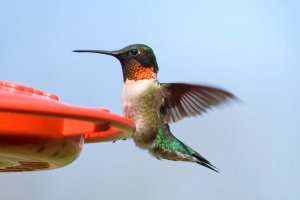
(130, 55)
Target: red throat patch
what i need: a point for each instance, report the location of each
(138, 72)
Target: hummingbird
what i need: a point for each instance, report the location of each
(153, 105)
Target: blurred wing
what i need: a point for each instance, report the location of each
(185, 100)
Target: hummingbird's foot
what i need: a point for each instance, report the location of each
(122, 139)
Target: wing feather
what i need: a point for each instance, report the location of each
(186, 100)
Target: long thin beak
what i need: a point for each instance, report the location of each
(111, 53)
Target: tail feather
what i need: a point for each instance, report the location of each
(202, 161)
(167, 146)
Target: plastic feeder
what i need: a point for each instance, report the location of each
(38, 132)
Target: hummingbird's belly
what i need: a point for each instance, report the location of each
(141, 101)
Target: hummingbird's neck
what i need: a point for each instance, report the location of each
(135, 71)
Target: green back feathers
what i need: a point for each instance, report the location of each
(166, 140)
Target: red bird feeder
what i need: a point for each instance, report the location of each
(38, 132)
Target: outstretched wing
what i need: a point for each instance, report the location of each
(185, 100)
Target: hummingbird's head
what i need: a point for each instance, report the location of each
(138, 61)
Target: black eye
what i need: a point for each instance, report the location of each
(133, 52)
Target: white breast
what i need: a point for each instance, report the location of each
(133, 89)
(131, 92)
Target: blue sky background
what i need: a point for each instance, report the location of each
(250, 48)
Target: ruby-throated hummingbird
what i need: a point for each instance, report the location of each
(152, 105)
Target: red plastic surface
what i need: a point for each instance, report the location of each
(33, 123)
(58, 118)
